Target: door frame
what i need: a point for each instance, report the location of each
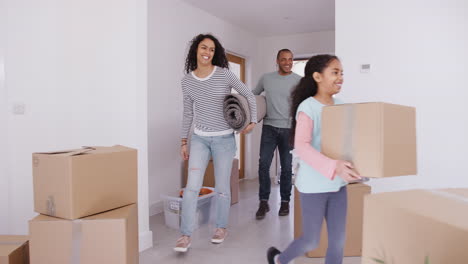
(241, 61)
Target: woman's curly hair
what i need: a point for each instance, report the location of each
(219, 58)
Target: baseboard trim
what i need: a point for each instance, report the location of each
(156, 208)
(145, 240)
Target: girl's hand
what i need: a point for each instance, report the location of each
(345, 170)
(248, 128)
(184, 152)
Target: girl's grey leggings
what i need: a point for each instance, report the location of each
(315, 207)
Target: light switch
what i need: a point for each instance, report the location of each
(365, 68)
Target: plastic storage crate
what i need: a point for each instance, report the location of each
(173, 210)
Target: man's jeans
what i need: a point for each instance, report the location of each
(223, 150)
(273, 137)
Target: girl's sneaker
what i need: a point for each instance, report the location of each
(272, 254)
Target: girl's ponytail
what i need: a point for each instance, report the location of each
(306, 88)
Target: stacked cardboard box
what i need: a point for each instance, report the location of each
(14, 249)
(109, 237)
(209, 178)
(87, 204)
(416, 226)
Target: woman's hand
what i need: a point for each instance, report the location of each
(345, 170)
(183, 149)
(184, 152)
(248, 128)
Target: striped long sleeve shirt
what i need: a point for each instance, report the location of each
(203, 101)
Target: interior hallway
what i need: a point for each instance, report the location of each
(247, 241)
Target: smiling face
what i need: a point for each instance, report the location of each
(205, 52)
(285, 62)
(331, 79)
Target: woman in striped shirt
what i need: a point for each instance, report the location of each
(207, 82)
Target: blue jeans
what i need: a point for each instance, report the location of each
(316, 206)
(222, 149)
(273, 137)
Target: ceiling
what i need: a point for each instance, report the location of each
(273, 17)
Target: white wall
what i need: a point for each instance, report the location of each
(168, 46)
(80, 69)
(301, 45)
(4, 190)
(418, 55)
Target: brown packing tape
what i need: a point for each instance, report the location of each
(73, 152)
(70, 152)
(81, 151)
(50, 205)
(89, 147)
(348, 136)
(348, 148)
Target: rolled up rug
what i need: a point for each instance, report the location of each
(237, 112)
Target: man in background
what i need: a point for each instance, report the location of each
(277, 86)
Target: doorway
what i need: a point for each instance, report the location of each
(237, 66)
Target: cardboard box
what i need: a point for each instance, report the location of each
(379, 138)
(77, 183)
(209, 178)
(14, 249)
(416, 226)
(110, 237)
(235, 182)
(353, 245)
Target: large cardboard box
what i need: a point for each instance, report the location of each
(77, 183)
(416, 226)
(379, 138)
(353, 245)
(209, 178)
(14, 249)
(109, 237)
